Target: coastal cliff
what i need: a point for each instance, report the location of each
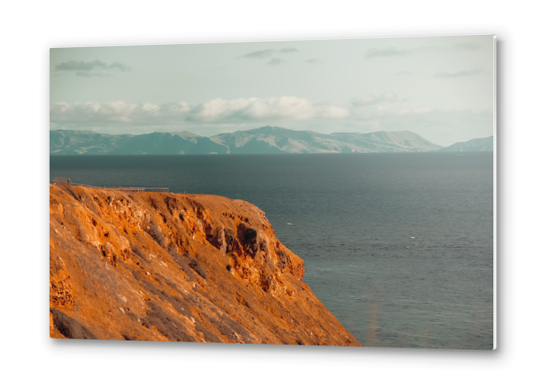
(177, 267)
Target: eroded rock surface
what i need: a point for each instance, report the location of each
(176, 267)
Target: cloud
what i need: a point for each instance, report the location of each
(120, 66)
(276, 61)
(267, 53)
(285, 107)
(259, 54)
(389, 97)
(316, 60)
(92, 74)
(73, 65)
(385, 52)
(466, 73)
(289, 50)
(88, 66)
(219, 111)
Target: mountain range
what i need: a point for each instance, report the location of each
(475, 145)
(265, 140)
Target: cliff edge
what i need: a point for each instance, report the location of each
(176, 267)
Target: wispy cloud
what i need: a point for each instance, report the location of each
(92, 74)
(267, 53)
(88, 66)
(259, 54)
(466, 73)
(219, 111)
(315, 60)
(120, 67)
(276, 61)
(288, 50)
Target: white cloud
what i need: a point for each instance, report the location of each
(151, 108)
(285, 108)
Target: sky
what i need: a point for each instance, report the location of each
(438, 87)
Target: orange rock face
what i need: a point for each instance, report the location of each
(175, 267)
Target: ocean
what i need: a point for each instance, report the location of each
(399, 247)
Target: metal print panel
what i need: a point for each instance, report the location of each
(333, 192)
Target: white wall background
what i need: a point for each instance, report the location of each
(28, 30)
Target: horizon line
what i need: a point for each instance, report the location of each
(254, 129)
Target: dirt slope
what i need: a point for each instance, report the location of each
(173, 267)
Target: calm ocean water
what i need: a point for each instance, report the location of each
(399, 247)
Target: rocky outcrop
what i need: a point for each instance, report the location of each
(175, 267)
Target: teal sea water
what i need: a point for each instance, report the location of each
(399, 247)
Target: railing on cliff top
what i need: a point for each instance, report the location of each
(138, 189)
(116, 188)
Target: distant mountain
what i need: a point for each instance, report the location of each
(157, 143)
(263, 140)
(281, 140)
(475, 145)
